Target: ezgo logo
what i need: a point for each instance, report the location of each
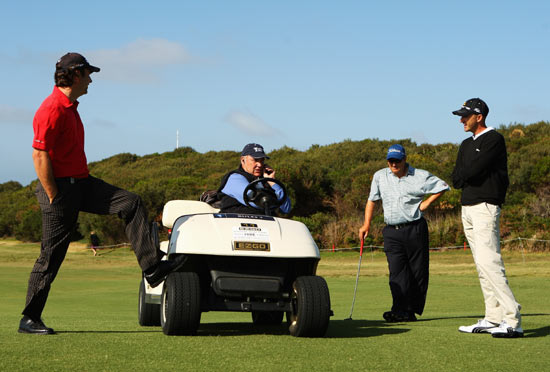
(251, 246)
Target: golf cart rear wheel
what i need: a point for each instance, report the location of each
(310, 303)
(267, 317)
(148, 314)
(180, 304)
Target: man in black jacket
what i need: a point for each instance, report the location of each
(481, 171)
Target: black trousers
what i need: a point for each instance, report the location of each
(59, 221)
(407, 251)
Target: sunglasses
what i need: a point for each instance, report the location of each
(395, 161)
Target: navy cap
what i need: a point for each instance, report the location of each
(75, 60)
(396, 152)
(254, 150)
(473, 106)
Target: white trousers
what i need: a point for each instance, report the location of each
(481, 227)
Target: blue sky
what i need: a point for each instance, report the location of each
(280, 73)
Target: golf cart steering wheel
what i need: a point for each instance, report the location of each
(264, 198)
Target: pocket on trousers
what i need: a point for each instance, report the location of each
(41, 196)
(58, 196)
(44, 199)
(494, 210)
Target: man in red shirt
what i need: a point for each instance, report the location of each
(66, 188)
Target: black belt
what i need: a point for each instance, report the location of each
(70, 179)
(402, 225)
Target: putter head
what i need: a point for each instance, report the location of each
(348, 318)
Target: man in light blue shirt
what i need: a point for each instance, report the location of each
(252, 167)
(402, 189)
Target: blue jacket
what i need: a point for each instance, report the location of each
(231, 193)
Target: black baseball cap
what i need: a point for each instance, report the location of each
(75, 60)
(254, 150)
(473, 106)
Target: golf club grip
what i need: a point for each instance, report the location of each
(361, 250)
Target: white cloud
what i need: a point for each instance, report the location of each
(141, 61)
(418, 136)
(15, 115)
(529, 111)
(250, 124)
(103, 123)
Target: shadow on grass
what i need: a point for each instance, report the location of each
(362, 328)
(451, 317)
(209, 329)
(474, 317)
(537, 332)
(337, 329)
(151, 330)
(530, 333)
(240, 329)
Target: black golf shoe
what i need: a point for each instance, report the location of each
(37, 327)
(162, 270)
(399, 316)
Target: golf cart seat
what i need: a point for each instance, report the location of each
(176, 208)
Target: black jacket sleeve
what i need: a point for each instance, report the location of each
(457, 175)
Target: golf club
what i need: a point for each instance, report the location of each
(356, 280)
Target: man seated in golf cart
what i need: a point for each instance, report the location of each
(252, 168)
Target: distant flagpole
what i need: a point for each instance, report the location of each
(177, 139)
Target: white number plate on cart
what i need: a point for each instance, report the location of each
(249, 237)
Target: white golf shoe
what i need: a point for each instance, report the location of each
(504, 330)
(482, 326)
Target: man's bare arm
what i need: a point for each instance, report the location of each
(426, 203)
(364, 230)
(44, 171)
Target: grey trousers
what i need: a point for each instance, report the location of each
(59, 220)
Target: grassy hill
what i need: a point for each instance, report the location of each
(328, 185)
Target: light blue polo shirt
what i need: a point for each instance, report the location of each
(236, 184)
(401, 197)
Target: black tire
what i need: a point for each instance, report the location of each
(310, 302)
(148, 314)
(267, 317)
(180, 304)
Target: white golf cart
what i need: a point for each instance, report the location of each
(238, 262)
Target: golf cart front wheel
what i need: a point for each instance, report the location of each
(148, 314)
(180, 304)
(310, 303)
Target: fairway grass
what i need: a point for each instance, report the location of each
(93, 307)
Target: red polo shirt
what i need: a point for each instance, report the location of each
(59, 130)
